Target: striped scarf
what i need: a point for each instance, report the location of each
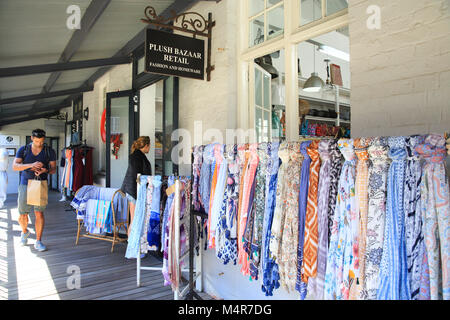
(393, 282)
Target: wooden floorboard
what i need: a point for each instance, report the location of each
(28, 274)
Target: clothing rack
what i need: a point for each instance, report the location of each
(192, 294)
(177, 202)
(116, 226)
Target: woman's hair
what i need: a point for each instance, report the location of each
(141, 142)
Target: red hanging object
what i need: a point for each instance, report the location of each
(103, 126)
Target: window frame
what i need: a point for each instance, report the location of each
(293, 34)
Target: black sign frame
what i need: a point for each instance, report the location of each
(174, 55)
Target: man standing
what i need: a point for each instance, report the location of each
(34, 159)
(3, 175)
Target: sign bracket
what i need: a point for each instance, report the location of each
(191, 22)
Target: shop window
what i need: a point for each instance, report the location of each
(267, 97)
(313, 10)
(310, 10)
(324, 85)
(266, 20)
(334, 6)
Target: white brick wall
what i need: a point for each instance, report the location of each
(400, 73)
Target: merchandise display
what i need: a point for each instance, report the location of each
(347, 219)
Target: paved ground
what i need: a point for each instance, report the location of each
(28, 274)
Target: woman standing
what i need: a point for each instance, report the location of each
(137, 163)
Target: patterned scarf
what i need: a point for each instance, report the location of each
(335, 173)
(138, 220)
(361, 187)
(338, 277)
(249, 177)
(271, 276)
(280, 208)
(413, 216)
(289, 244)
(393, 283)
(435, 213)
(301, 286)
(226, 245)
(258, 213)
(196, 170)
(309, 265)
(316, 285)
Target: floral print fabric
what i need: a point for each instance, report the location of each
(341, 252)
(289, 244)
(378, 172)
(435, 212)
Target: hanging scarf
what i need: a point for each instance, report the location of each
(138, 220)
(148, 210)
(316, 284)
(361, 188)
(340, 257)
(413, 216)
(165, 230)
(205, 176)
(249, 177)
(258, 212)
(217, 187)
(280, 208)
(301, 286)
(335, 173)
(309, 265)
(393, 282)
(271, 276)
(219, 191)
(287, 261)
(196, 171)
(226, 245)
(175, 250)
(154, 233)
(435, 213)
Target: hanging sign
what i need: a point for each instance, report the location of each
(174, 55)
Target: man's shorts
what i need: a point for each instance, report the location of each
(25, 208)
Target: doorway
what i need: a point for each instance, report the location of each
(122, 127)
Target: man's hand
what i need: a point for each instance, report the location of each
(37, 165)
(38, 172)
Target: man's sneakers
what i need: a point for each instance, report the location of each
(24, 238)
(39, 246)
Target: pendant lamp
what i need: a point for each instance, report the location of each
(314, 83)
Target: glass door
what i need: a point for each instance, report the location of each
(262, 104)
(121, 122)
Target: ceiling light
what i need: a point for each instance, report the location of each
(334, 52)
(314, 83)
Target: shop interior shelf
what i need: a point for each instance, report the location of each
(325, 119)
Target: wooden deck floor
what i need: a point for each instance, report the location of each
(28, 274)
